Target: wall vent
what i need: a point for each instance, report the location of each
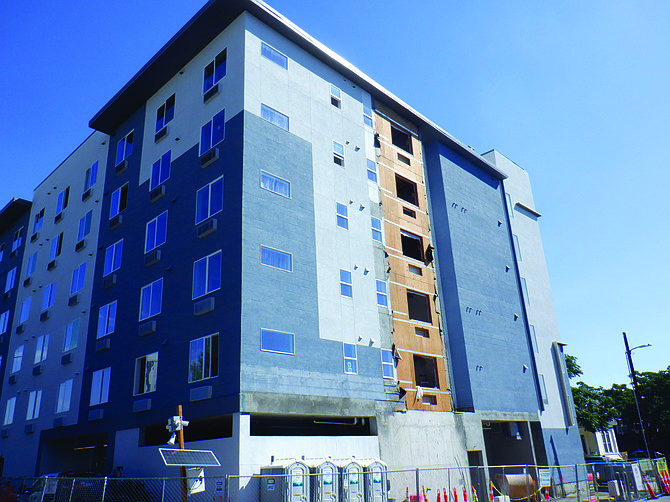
(160, 134)
(209, 157)
(86, 194)
(58, 217)
(27, 282)
(116, 221)
(73, 300)
(213, 91)
(152, 257)
(102, 345)
(12, 379)
(37, 370)
(157, 193)
(44, 316)
(66, 358)
(207, 228)
(109, 281)
(95, 414)
(203, 306)
(52, 264)
(80, 245)
(121, 167)
(147, 328)
(34, 237)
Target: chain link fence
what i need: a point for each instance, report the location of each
(597, 482)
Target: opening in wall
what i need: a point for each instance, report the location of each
(418, 306)
(282, 425)
(401, 139)
(406, 190)
(412, 245)
(425, 371)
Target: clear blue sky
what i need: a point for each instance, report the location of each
(575, 92)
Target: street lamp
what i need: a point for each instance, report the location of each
(636, 391)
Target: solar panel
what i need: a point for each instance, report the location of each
(189, 458)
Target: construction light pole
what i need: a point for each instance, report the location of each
(636, 390)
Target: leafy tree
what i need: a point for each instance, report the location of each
(574, 370)
(594, 409)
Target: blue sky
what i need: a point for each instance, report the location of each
(574, 92)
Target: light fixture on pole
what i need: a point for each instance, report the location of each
(636, 391)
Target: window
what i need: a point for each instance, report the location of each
(213, 132)
(203, 358)
(215, 71)
(25, 310)
(277, 259)
(335, 96)
(338, 153)
(124, 148)
(387, 364)
(119, 201)
(17, 359)
(209, 200)
(71, 336)
(165, 113)
(413, 269)
(406, 190)
(401, 139)
(10, 280)
(156, 233)
(41, 349)
(56, 246)
(372, 170)
(412, 245)
(2, 251)
(146, 373)
(4, 321)
(533, 338)
(151, 299)
(207, 275)
(39, 219)
(78, 278)
(543, 389)
(91, 176)
(509, 205)
(18, 239)
(106, 319)
(277, 341)
(350, 360)
(342, 216)
(9, 411)
(63, 199)
(517, 249)
(346, 288)
(425, 372)
(274, 117)
(100, 386)
(160, 171)
(276, 185)
(376, 224)
(274, 55)
(607, 441)
(382, 294)
(524, 291)
(423, 332)
(84, 225)
(409, 212)
(113, 258)
(418, 306)
(49, 296)
(64, 396)
(367, 116)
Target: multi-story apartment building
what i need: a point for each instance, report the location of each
(305, 263)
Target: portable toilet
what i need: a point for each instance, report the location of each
(286, 480)
(325, 480)
(375, 473)
(351, 481)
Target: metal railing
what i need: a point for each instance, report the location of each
(570, 483)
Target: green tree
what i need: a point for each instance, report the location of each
(594, 409)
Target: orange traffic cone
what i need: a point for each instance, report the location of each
(652, 495)
(491, 490)
(423, 489)
(546, 493)
(465, 495)
(438, 495)
(455, 495)
(474, 494)
(406, 494)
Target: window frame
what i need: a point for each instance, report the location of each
(151, 301)
(118, 201)
(275, 117)
(386, 364)
(10, 280)
(211, 211)
(18, 239)
(267, 50)
(41, 349)
(143, 369)
(344, 285)
(107, 311)
(100, 382)
(367, 116)
(212, 132)
(34, 404)
(348, 357)
(17, 359)
(382, 294)
(113, 258)
(39, 220)
(124, 147)
(336, 98)
(78, 279)
(275, 351)
(56, 247)
(214, 73)
(276, 252)
(162, 221)
(213, 357)
(372, 170)
(209, 286)
(25, 310)
(4, 321)
(165, 113)
(63, 200)
(9, 411)
(338, 153)
(91, 176)
(377, 231)
(71, 336)
(85, 225)
(64, 396)
(274, 177)
(161, 170)
(342, 215)
(49, 295)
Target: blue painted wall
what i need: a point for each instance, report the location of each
(563, 447)
(479, 288)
